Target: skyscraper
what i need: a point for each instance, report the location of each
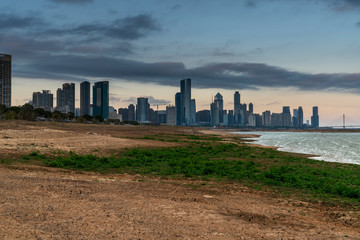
(65, 98)
(179, 109)
(142, 110)
(237, 108)
(101, 99)
(266, 118)
(193, 112)
(84, 98)
(295, 117)
(251, 108)
(131, 108)
(218, 100)
(124, 112)
(43, 100)
(300, 119)
(185, 90)
(5, 80)
(315, 117)
(215, 118)
(171, 115)
(286, 117)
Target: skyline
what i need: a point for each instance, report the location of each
(276, 53)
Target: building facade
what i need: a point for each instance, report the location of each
(44, 99)
(65, 98)
(237, 107)
(101, 99)
(142, 110)
(84, 98)
(185, 91)
(171, 115)
(315, 117)
(5, 80)
(132, 114)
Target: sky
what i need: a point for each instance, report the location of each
(275, 52)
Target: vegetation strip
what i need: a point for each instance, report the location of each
(224, 161)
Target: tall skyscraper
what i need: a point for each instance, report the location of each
(266, 118)
(84, 98)
(215, 118)
(101, 99)
(193, 112)
(300, 119)
(185, 90)
(286, 117)
(218, 100)
(295, 118)
(179, 110)
(43, 100)
(315, 118)
(142, 110)
(132, 116)
(65, 98)
(5, 80)
(237, 108)
(251, 108)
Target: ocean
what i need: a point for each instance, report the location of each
(332, 147)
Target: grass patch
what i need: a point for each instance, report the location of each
(220, 161)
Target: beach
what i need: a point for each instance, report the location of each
(39, 202)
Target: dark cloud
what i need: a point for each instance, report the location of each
(9, 21)
(72, 1)
(129, 28)
(214, 75)
(344, 5)
(250, 3)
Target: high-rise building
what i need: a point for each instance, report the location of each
(193, 112)
(84, 98)
(124, 112)
(171, 115)
(101, 99)
(237, 108)
(231, 118)
(243, 114)
(286, 117)
(43, 100)
(5, 80)
(300, 119)
(315, 118)
(65, 98)
(142, 110)
(218, 100)
(295, 117)
(276, 120)
(203, 117)
(185, 90)
(131, 116)
(179, 109)
(251, 108)
(266, 119)
(215, 118)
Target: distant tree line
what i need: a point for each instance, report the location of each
(29, 113)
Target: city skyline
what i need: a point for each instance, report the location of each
(275, 53)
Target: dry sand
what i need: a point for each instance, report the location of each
(46, 203)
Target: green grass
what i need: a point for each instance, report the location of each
(204, 160)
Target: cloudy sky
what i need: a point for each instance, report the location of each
(275, 52)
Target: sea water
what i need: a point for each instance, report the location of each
(332, 147)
